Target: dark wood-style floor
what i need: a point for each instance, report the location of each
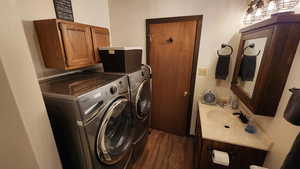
(166, 151)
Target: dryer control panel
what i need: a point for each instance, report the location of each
(99, 98)
(136, 78)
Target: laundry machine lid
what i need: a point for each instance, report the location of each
(77, 84)
(143, 100)
(115, 136)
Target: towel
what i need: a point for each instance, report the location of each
(292, 111)
(222, 68)
(292, 160)
(247, 68)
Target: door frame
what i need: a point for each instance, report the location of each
(199, 19)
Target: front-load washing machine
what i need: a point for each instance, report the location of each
(91, 119)
(140, 89)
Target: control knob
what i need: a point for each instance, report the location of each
(113, 89)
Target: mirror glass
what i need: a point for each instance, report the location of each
(250, 63)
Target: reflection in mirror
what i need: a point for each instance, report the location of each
(250, 64)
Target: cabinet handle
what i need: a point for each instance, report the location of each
(185, 93)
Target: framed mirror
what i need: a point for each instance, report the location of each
(265, 55)
(253, 51)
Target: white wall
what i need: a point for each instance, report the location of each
(282, 132)
(16, 151)
(26, 137)
(221, 22)
(94, 12)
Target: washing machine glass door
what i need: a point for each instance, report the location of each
(115, 134)
(143, 100)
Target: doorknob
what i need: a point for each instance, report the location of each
(170, 40)
(185, 93)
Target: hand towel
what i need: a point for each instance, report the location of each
(247, 68)
(292, 160)
(222, 68)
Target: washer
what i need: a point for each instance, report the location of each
(140, 89)
(91, 118)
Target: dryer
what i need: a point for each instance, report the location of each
(91, 119)
(140, 94)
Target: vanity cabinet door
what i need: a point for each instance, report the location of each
(78, 44)
(206, 154)
(240, 157)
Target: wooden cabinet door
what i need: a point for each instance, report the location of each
(78, 45)
(100, 38)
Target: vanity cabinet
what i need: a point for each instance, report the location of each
(275, 41)
(69, 45)
(241, 157)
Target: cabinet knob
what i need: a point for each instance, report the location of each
(185, 93)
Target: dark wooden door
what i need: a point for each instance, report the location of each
(100, 38)
(171, 49)
(78, 44)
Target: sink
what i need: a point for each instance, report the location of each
(219, 124)
(217, 116)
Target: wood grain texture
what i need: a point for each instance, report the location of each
(100, 38)
(78, 44)
(171, 64)
(166, 151)
(283, 37)
(50, 43)
(69, 45)
(240, 157)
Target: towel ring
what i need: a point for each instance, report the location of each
(252, 45)
(253, 55)
(224, 46)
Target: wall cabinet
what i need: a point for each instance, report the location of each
(69, 45)
(276, 39)
(100, 38)
(240, 157)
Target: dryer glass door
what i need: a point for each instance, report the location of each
(115, 134)
(143, 100)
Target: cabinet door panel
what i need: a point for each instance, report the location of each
(100, 39)
(78, 44)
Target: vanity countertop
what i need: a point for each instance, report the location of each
(214, 118)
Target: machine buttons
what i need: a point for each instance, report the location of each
(113, 89)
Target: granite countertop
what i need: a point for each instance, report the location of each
(214, 118)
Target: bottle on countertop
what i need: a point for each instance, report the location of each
(251, 128)
(234, 102)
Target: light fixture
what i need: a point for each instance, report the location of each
(260, 11)
(248, 18)
(286, 5)
(272, 7)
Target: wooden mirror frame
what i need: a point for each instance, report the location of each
(283, 33)
(251, 103)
